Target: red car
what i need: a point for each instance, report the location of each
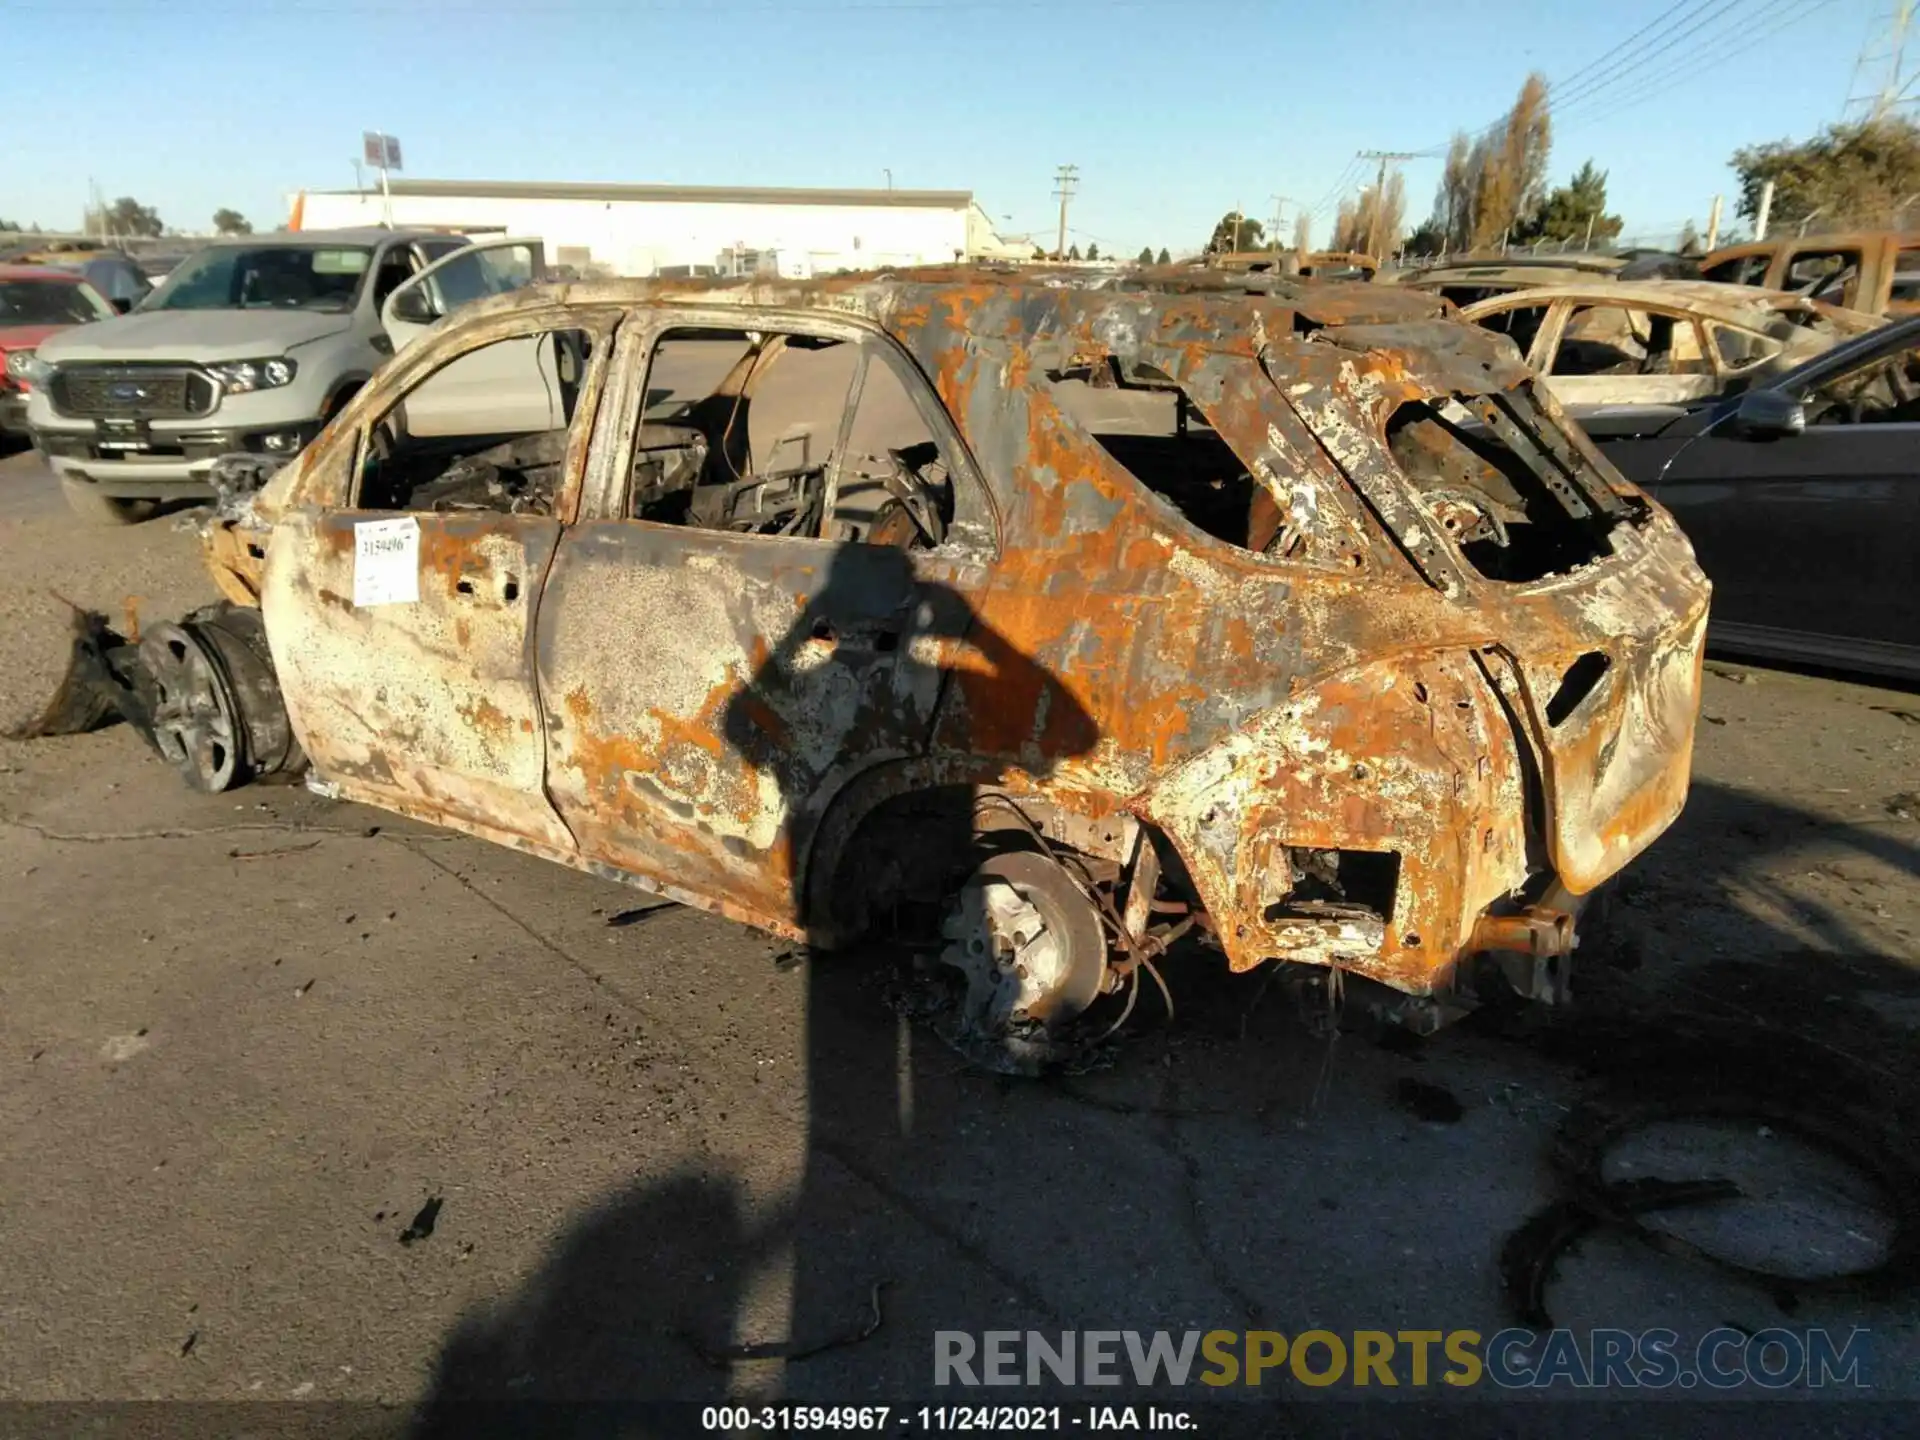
(35, 302)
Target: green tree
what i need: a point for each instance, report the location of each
(231, 222)
(127, 216)
(1163, 258)
(1570, 209)
(1429, 239)
(1862, 175)
(1040, 252)
(1235, 232)
(1073, 253)
(1093, 249)
(1145, 257)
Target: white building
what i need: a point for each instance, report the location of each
(681, 229)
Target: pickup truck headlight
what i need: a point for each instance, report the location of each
(27, 366)
(237, 377)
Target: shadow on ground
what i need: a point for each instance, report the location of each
(1233, 1169)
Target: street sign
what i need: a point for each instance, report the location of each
(382, 152)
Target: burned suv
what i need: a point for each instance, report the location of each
(1073, 621)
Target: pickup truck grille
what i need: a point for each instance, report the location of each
(148, 392)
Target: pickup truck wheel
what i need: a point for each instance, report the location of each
(86, 501)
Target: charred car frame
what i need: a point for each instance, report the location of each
(1080, 620)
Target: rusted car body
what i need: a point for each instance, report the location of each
(1877, 271)
(1466, 281)
(1663, 342)
(1257, 639)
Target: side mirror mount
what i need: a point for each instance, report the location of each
(1769, 415)
(415, 306)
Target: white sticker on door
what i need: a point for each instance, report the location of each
(386, 562)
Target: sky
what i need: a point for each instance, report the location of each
(1173, 112)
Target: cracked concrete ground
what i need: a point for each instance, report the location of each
(247, 1039)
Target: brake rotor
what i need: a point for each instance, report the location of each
(1033, 954)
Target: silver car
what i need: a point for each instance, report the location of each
(249, 346)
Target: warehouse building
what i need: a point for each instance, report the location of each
(683, 229)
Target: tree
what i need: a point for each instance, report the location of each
(1428, 240)
(1690, 240)
(1570, 210)
(1859, 175)
(1302, 232)
(1371, 219)
(1093, 250)
(1163, 258)
(1235, 232)
(1145, 257)
(126, 216)
(1491, 184)
(1040, 252)
(231, 222)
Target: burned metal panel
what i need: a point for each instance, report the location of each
(431, 702)
(1410, 757)
(706, 694)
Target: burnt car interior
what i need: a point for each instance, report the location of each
(1498, 488)
(1145, 420)
(1611, 340)
(486, 459)
(784, 434)
(1884, 392)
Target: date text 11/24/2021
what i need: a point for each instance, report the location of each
(977, 1419)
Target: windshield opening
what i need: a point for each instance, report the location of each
(50, 302)
(285, 277)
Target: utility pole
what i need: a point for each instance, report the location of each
(1587, 244)
(1273, 241)
(1065, 181)
(1386, 158)
(1713, 226)
(1239, 214)
(1765, 212)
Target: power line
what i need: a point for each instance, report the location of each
(1892, 66)
(1660, 81)
(1647, 43)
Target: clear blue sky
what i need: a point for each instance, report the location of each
(1174, 112)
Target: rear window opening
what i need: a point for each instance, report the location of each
(1145, 421)
(1486, 470)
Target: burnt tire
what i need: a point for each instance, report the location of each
(86, 501)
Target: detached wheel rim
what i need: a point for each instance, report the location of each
(195, 722)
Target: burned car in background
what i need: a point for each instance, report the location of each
(1668, 342)
(855, 604)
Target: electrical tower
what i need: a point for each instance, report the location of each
(1888, 68)
(1065, 181)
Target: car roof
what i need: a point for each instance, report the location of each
(1838, 240)
(1746, 306)
(1891, 336)
(355, 235)
(40, 272)
(1174, 318)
